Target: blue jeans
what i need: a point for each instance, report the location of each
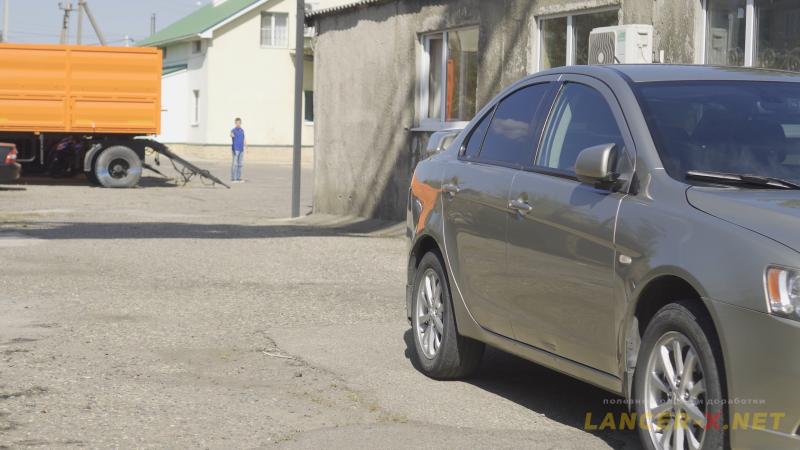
(236, 166)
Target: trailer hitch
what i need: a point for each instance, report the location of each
(187, 170)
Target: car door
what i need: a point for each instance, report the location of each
(475, 203)
(561, 246)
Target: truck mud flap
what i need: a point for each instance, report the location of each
(186, 170)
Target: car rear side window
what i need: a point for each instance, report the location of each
(513, 134)
(580, 119)
(473, 146)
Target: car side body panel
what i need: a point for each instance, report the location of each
(658, 234)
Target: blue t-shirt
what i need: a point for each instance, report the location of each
(238, 140)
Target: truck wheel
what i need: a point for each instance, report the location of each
(92, 177)
(118, 167)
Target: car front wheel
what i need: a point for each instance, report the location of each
(678, 383)
(440, 352)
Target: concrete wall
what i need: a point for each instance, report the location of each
(366, 86)
(368, 139)
(679, 30)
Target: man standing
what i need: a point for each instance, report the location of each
(238, 143)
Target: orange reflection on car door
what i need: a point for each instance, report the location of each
(427, 195)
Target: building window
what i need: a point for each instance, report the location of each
(308, 106)
(274, 30)
(195, 107)
(753, 33)
(564, 40)
(449, 82)
(553, 48)
(197, 47)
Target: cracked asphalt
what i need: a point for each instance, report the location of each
(197, 317)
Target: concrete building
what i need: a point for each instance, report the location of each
(390, 72)
(234, 58)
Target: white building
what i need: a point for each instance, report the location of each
(233, 58)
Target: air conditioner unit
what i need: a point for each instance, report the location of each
(718, 45)
(623, 44)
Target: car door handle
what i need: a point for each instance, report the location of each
(451, 189)
(520, 206)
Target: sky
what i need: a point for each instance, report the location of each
(39, 21)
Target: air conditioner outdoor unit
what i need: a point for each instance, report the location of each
(623, 44)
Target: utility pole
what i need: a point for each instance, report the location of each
(299, 59)
(4, 36)
(67, 8)
(85, 8)
(80, 22)
(152, 24)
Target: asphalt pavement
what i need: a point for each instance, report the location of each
(196, 316)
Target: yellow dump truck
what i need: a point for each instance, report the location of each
(87, 109)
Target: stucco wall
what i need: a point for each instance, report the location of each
(678, 30)
(366, 86)
(366, 64)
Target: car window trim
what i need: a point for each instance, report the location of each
(462, 151)
(558, 173)
(548, 97)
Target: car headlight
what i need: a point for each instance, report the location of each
(783, 292)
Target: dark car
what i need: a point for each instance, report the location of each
(9, 168)
(636, 227)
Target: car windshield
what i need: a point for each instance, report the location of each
(727, 127)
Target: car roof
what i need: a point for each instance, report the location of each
(645, 73)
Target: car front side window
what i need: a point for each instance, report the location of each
(580, 119)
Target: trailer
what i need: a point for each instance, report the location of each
(85, 109)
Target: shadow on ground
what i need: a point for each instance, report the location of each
(80, 180)
(171, 230)
(544, 391)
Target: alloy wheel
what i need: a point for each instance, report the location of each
(428, 322)
(675, 395)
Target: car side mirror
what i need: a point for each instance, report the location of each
(596, 165)
(439, 141)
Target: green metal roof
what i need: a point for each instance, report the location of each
(168, 70)
(197, 22)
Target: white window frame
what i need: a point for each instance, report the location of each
(427, 123)
(570, 32)
(272, 16)
(750, 24)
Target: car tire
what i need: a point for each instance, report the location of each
(696, 382)
(118, 167)
(439, 351)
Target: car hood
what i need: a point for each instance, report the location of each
(775, 214)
